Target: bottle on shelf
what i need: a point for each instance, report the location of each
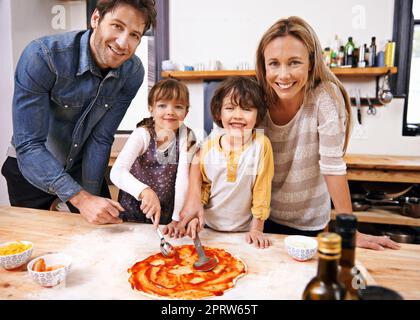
(372, 55)
(340, 57)
(335, 49)
(389, 54)
(348, 274)
(361, 59)
(325, 285)
(367, 55)
(327, 56)
(349, 52)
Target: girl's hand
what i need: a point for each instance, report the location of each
(258, 238)
(374, 242)
(171, 229)
(150, 205)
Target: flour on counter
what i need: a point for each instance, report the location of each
(100, 260)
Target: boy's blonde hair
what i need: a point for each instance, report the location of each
(318, 73)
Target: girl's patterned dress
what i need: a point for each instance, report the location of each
(158, 170)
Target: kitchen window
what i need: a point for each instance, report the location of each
(406, 83)
(413, 103)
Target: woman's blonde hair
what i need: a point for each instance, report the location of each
(318, 73)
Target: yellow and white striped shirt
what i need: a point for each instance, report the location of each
(236, 184)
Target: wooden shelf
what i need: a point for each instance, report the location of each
(221, 74)
(356, 72)
(206, 75)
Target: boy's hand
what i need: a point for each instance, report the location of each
(171, 229)
(258, 238)
(150, 205)
(193, 210)
(193, 228)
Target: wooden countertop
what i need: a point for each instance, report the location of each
(382, 162)
(362, 161)
(102, 254)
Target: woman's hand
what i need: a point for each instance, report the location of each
(258, 238)
(375, 242)
(150, 205)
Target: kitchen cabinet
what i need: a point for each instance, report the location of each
(383, 168)
(101, 255)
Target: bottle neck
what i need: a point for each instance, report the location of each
(348, 246)
(328, 268)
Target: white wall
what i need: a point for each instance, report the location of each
(229, 31)
(6, 89)
(20, 22)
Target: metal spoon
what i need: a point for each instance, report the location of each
(165, 247)
(203, 263)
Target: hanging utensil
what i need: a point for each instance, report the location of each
(385, 95)
(371, 109)
(359, 109)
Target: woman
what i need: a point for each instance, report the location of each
(308, 124)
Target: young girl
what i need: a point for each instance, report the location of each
(236, 164)
(152, 169)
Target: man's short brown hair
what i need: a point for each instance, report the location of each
(244, 91)
(147, 7)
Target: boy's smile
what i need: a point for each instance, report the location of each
(237, 121)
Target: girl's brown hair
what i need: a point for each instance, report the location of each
(167, 89)
(318, 73)
(245, 92)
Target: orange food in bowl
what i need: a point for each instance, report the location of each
(40, 266)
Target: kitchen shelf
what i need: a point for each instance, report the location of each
(370, 71)
(206, 75)
(221, 74)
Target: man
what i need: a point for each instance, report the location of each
(71, 93)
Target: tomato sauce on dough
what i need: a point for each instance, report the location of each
(177, 278)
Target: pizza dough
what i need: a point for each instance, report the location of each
(158, 276)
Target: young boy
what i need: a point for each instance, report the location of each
(236, 164)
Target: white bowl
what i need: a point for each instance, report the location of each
(16, 260)
(54, 277)
(301, 248)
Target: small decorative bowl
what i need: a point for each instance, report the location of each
(301, 248)
(16, 260)
(54, 277)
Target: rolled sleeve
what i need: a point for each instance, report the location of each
(34, 78)
(332, 131)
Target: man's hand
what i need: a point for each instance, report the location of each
(97, 210)
(258, 238)
(374, 242)
(150, 205)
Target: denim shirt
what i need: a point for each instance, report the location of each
(65, 113)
